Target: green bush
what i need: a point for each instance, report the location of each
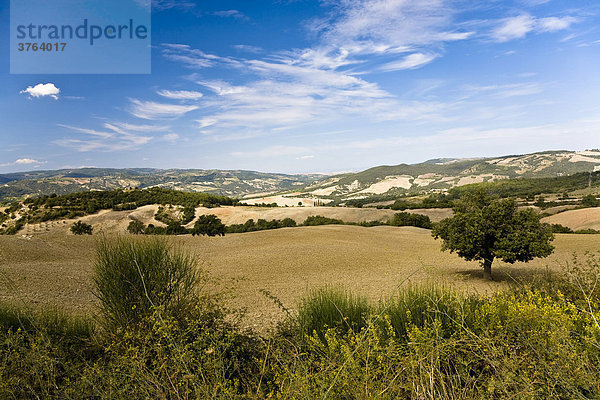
(208, 225)
(409, 219)
(332, 307)
(558, 228)
(81, 228)
(133, 276)
(316, 220)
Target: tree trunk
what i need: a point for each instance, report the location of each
(487, 267)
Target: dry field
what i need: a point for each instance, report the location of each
(55, 267)
(585, 218)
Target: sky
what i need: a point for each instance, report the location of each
(310, 86)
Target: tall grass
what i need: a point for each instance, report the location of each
(420, 305)
(332, 307)
(134, 276)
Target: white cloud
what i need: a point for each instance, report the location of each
(248, 48)
(553, 24)
(412, 61)
(308, 157)
(272, 151)
(153, 110)
(514, 28)
(118, 136)
(230, 14)
(28, 161)
(180, 94)
(518, 27)
(42, 90)
(170, 137)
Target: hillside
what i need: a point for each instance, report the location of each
(228, 183)
(444, 174)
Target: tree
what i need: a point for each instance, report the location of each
(81, 228)
(208, 225)
(136, 227)
(484, 228)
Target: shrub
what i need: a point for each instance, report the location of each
(332, 307)
(134, 276)
(316, 220)
(558, 228)
(136, 227)
(408, 219)
(81, 228)
(208, 225)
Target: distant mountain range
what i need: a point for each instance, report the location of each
(443, 174)
(432, 175)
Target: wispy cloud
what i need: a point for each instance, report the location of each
(180, 94)
(519, 26)
(230, 14)
(152, 110)
(412, 61)
(115, 136)
(42, 90)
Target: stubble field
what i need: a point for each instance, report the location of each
(55, 268)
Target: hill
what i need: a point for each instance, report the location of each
(227, 183)
(443, 174)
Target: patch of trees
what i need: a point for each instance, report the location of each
(408, 219)
(261, 225)
(81, 228)
(531, 187)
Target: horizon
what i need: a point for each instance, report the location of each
(306, 86)
(332, 173)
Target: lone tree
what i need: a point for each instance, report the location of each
(484, 228)
(208, 225)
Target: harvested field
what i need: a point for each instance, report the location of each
(585, 218)
(54, 268)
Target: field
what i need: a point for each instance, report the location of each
(586, 218)
(55, 267)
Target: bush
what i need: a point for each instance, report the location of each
(408, 219)
(316, 220)
(208, 225)
(134, 276)
(81, 228)
(332, 308)
(558, 228)
(136, 227)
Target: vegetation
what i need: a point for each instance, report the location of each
(208, 225)
(316, 220)
(408, 219)
(162, 334)
(81, 228)
(484, 228)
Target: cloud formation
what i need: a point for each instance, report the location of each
(518, 27)
(42, 90)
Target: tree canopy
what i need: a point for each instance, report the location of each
(484, 228)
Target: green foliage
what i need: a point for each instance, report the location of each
(558, 228)
(590, 201)
(260, 225)
(81, 228)
(484, 228)
(133, 276)
(136, 227)
(332, 308)
(208, 225)
(315, 220)
(529, 187)
(408, 219)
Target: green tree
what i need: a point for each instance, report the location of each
(81, 228)
(484, 228)
(136, 227)
(208, 225)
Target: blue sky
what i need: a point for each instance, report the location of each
(320, 86)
